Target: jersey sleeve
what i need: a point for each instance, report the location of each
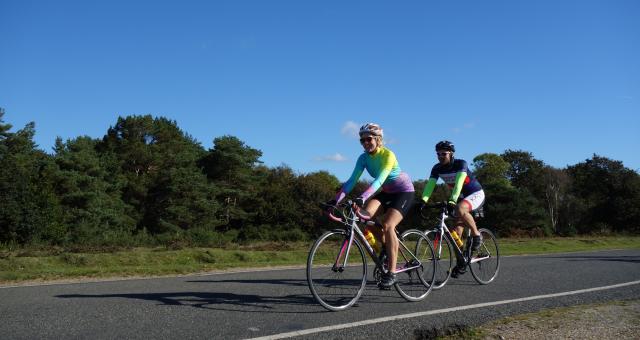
(431, 184)
(351, 182)
(428, 189)
(387, 165)
(461, 175)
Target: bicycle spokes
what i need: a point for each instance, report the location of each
(486, 261)
(333, 283)
(415, 268)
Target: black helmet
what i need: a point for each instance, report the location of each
(445, 145)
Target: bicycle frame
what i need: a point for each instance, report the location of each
(443, 230)
(351, 226)
(337, 277)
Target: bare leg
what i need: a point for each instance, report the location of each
(465, 217)
(372, 207)
(389, 222)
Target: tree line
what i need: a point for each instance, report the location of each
(147, 182)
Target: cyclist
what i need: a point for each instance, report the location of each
(466, 193)
(395, 198)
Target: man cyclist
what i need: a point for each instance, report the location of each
(466, 193)
(395, 197)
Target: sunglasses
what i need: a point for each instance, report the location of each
(366, 139)
(441, 154)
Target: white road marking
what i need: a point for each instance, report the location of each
(438, 311)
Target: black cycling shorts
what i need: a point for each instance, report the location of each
(401, 201)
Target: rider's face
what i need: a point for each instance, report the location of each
(369, 143)
(444, 157)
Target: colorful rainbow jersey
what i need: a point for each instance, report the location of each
(383, 166)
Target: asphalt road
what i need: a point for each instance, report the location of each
(277, 302)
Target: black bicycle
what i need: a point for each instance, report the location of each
(337, 265)
(483, 262)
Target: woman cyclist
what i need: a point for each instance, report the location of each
(395, 198)
(466, 193)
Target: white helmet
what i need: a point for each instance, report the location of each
(371, 128)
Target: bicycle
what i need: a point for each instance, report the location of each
(484, 262)
(337, 266)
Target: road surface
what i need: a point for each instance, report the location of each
(277, 303)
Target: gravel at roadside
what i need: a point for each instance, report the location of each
(614, 320)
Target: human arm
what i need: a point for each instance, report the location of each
(457, 187)
(351, 182)
(428, 189)
(383, 167)
(431, 184)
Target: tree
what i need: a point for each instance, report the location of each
(276, 206)
(4, 128)
(508, 209)
(525, 172)
(162, 180)
(93, 211)
(491, 169)
(28, 207)
(608, 194)
(231, 166)
(310, 190)
(556, 183)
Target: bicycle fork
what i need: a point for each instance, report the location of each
(343, 256)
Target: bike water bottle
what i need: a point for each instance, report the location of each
(456, 238)
(371, 238)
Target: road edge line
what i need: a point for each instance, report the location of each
(439, 311)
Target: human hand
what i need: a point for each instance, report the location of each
(451, 207)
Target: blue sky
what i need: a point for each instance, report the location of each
(560, 79)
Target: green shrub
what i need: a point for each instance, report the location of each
(74, 259)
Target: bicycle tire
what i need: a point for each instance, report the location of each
(485, 262)
(444, 253)
(336, 289)
(415, 284)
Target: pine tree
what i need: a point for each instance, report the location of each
(29, 210)
(93, 209)
(231, 166)
(162, 181)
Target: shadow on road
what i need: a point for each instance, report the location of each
(245, 303)
(612, 258)
(285, 282)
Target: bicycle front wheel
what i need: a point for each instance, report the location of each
(485, 262)
(336, 275)
(445, 256)
(416, 266)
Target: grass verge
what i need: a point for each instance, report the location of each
(27, 265)
(609, 320)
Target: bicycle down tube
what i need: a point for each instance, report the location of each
(342, 285)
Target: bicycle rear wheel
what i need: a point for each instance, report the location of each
(485, 262)
(445, 256)
(334, 285)
(416, 253)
